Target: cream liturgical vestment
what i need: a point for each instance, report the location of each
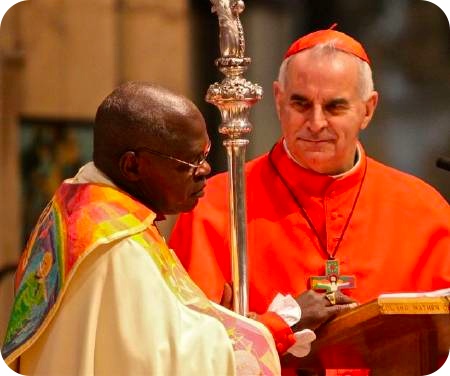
(129, 309)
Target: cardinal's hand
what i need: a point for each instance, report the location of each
(318, 308)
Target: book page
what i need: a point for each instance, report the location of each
(436, 293)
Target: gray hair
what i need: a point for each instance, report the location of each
(366, 85)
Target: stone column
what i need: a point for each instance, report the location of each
(155, 42)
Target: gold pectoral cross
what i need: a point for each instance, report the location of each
(332, 281)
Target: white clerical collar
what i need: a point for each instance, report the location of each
(341, 175)
(89, 173)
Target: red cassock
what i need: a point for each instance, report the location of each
(397, 239)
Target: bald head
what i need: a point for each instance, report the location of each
(147, 140)
(134, 112)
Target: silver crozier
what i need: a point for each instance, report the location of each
(234, 97)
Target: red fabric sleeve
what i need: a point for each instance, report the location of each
(281, 332)
(195, 242)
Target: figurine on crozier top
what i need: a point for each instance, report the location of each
(230, 29)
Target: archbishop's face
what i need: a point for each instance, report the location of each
(170, 181)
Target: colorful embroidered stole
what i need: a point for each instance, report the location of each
(79, 218)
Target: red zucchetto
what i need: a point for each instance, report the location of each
(343, 42)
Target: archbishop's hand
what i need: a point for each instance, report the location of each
(318, 308)
(227, 296)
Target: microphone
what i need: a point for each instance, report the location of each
(444, 163)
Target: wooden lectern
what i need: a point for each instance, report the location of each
(398, 334)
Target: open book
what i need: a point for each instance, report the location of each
(431, 302)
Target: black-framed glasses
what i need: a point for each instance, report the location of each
(194, 166)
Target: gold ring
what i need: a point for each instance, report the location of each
(331, 297)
